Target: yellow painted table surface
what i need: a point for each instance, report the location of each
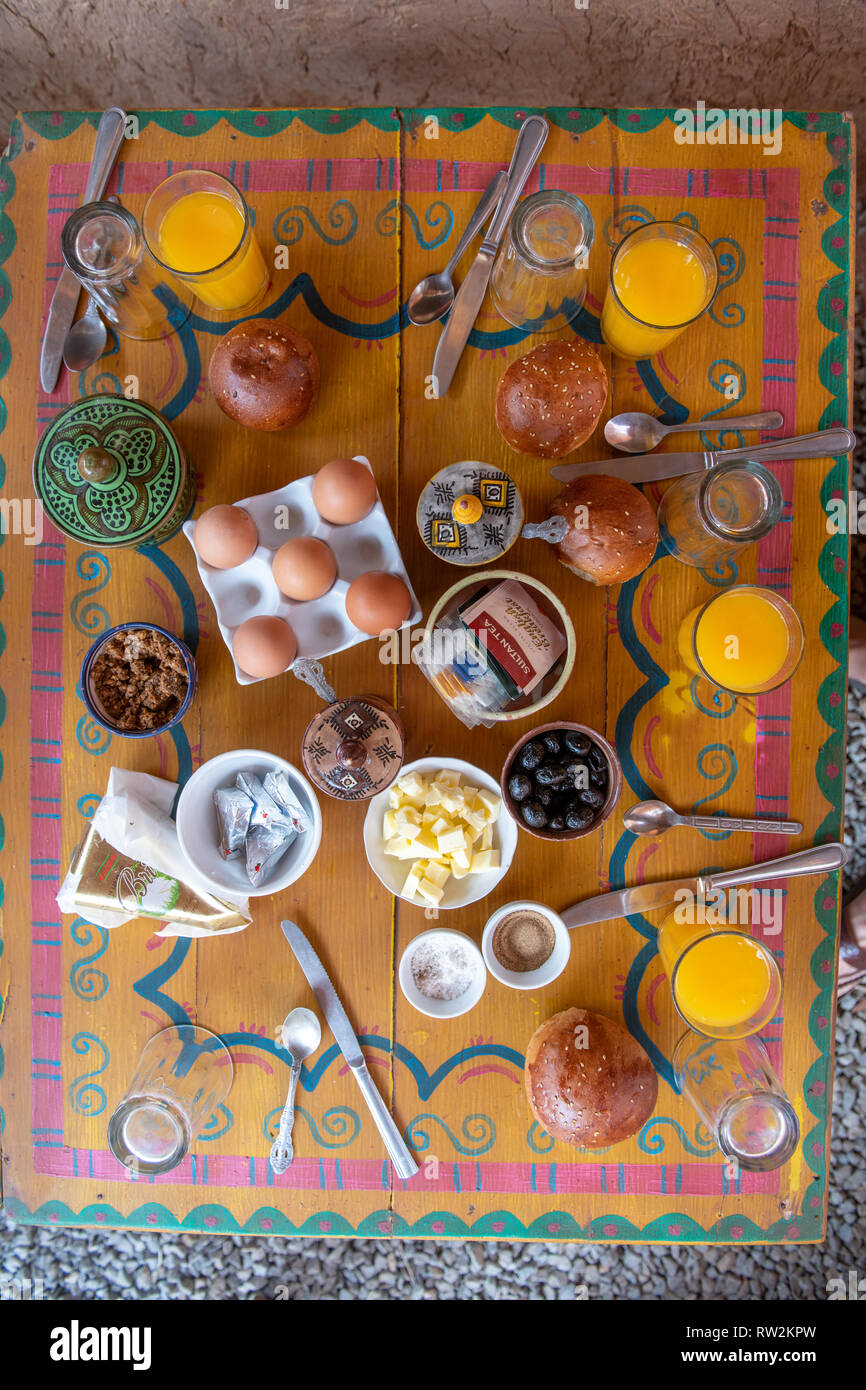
(367, 202)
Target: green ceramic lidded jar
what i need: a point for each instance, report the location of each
(110, 472)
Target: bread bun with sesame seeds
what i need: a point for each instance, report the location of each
(550, 400)
(587, 1080)
(613, 531)
(264, 374)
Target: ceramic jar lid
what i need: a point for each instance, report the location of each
(470, 514)
(110, 472)
(353, 749)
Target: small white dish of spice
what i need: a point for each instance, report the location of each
(525, 945)
(442, 973)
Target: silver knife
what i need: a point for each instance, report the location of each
(64, 301)
(822, 859)
(344, 1034)
(647, 468)
(470, 296)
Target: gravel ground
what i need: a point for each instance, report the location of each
(128, 1265)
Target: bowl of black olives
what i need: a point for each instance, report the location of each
(561, 781)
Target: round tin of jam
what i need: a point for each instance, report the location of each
(110, 472)
(354, 748)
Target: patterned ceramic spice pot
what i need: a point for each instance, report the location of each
(353, 749)
(110, 472)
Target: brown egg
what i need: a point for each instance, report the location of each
(344, 491)
(377, 602)
(264, 646)
(225, 536)
(304, 568)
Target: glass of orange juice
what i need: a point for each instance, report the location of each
(663, 276)
(724, 983)
(198, 226)
(746, 640)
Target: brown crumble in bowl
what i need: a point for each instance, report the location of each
(140, 679)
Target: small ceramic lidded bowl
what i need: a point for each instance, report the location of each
(538, 768)
(442, 973)
(138, 669)
(516, 933)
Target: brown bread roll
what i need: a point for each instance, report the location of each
(264, 374)
(592, 1095)
(549, 401)
(613, 529)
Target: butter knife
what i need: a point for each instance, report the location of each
(647, 468)
(822, 859)
(470, 296)
(64, 301)
(344, 1034)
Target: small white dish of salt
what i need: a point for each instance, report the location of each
(442, 973)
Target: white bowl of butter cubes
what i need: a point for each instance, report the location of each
(437, 837)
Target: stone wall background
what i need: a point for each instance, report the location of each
(88, 54)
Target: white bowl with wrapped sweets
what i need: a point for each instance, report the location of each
(460, 887)
(198, 827)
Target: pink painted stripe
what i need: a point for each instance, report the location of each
(471, 176)
(360, 175)
(667, 1182)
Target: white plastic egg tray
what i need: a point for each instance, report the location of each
(321, 625)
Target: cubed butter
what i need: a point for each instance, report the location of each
(484, 860)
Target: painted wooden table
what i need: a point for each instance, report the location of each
(366, 202)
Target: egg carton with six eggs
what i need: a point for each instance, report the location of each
(321, 626)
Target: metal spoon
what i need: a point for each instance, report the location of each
(655, 817)
(636, 433)
(85, 342)
(300, 1035)
(433, 296)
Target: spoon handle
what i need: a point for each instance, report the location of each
(488, 201)
(760, 827)
(282, 1149)
(764, 420)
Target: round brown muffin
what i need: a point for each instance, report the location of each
(613, 528)
(587, 1081)
(550, 401)
(264, 374)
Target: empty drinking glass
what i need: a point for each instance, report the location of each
(183, 1074)
(739, 1097)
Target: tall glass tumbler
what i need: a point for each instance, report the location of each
(541, 270)
(663, 277)
(707, 518)
(103, 246)
(183, 1074)
(198, 226)
(740, 1099)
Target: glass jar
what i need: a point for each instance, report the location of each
(541, 270)
(103, 246)
(706, 518)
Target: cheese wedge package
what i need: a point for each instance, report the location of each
(129, 864)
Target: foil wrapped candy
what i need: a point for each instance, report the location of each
(261, 819)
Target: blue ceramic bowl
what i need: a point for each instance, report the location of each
(91, 700)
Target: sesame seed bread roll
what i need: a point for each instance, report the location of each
(264, 374)
(587, 1081)
(549, 401)
(613, 531)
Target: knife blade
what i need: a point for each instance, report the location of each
(64, 301)
(347, 1041)
(648, 468)
(470, 296)
(820, 859)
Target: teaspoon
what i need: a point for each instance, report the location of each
(636, 433)
(433, 296)
(300, 1035)
(655, 817)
